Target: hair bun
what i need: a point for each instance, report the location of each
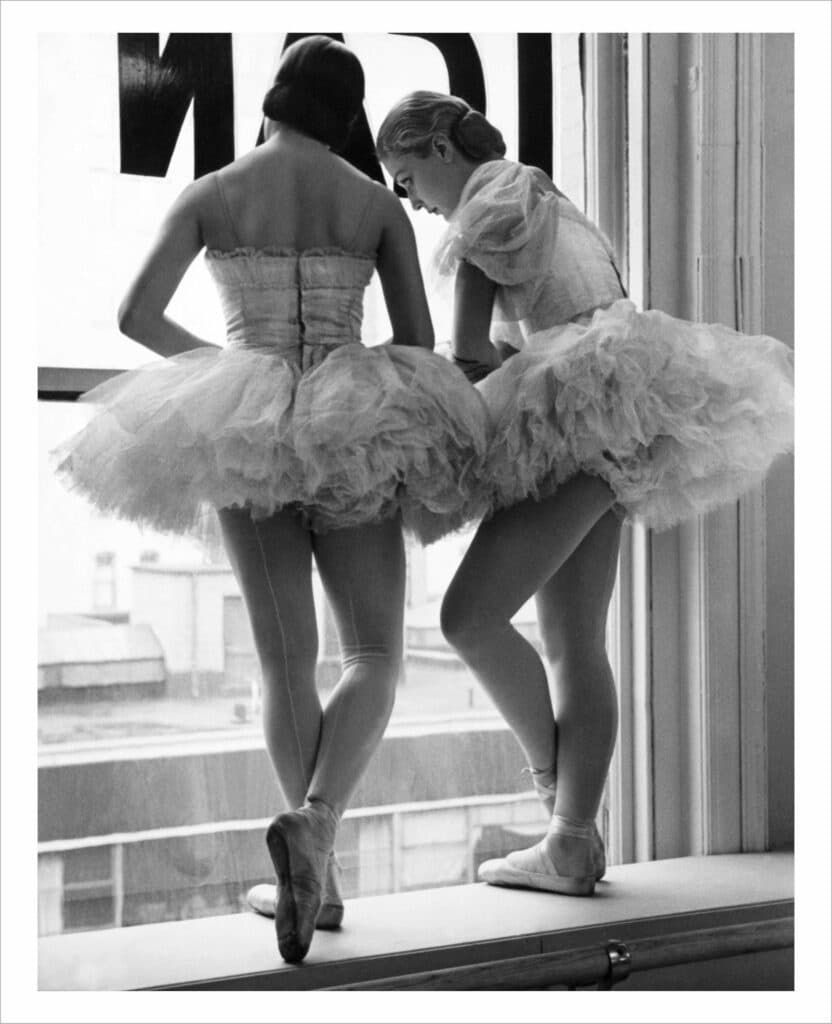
(318, 89)
(412, 124)
(477, 136)
(274, 99)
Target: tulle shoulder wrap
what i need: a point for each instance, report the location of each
(505, 224)
(549, 261)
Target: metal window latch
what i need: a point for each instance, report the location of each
(620, 963)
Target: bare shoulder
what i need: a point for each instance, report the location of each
(357, 180)
(195, 198)
(391, 212)
(385, 220)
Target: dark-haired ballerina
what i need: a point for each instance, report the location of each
(308, 443)
(604, 413)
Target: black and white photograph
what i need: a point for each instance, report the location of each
(417, 552)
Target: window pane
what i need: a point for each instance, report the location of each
(88, 912)
(87, 865)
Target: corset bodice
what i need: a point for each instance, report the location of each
(300, 303)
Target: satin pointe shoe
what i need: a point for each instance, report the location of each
(299, 844)
(262, 898)
(562, 862)
(543, 780)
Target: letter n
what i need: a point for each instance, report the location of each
(155, 93)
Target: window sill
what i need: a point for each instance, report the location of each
(455, 935)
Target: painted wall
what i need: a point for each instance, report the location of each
(184, 607)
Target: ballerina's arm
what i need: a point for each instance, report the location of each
(401, 278)
(473, 305)
(141, 315)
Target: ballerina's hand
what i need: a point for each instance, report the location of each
(475, 369)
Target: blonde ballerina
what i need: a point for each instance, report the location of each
(599, 413)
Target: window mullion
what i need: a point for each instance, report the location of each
(628, 801)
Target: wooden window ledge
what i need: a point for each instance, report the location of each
(672, 912)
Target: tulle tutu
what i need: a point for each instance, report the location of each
(677, 417)
(364, 434)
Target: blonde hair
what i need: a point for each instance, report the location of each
(412, 123)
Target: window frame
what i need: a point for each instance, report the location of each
(665, 618)
(68, 383)
(606, 189)
(690, 663)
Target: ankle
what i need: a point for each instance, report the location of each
(576, 828)
(545, 785)
(323, 814)
(542, 777)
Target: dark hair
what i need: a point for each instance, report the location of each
(318, 89)
(410, 126)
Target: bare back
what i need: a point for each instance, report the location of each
(290, 194)
(294, 195)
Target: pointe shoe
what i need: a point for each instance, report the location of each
(263, 898)
(561, 864)
(543, 780)
(299, 844)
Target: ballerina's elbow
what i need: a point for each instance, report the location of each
(414, 340)
(126, 318)
(133, 321)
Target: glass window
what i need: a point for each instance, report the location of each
(88, 888)
(151, 754)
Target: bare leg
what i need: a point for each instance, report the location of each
(572, 611)
(511, 557)
(516, 554)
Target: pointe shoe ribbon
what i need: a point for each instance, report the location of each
(544, 782)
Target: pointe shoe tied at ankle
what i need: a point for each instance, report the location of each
(544, 782)
(263, 898)
(558, 863)
(300, 843)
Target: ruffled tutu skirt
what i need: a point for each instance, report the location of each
(677, 417)
(363, 435)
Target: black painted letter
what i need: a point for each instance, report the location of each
(155, 93)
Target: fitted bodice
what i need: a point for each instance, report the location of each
(300, 303)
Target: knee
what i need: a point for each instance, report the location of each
(290, 663)
(383, 660)
(464, 625)
(376, 669)
(453, 620)
(568, 645)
